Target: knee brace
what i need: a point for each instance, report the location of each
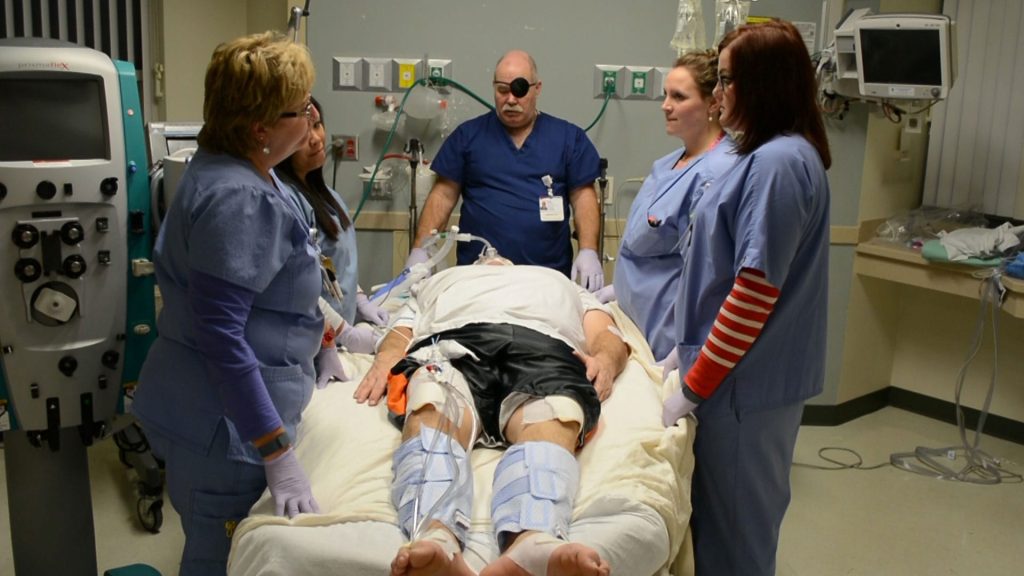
(534, 488)
(432, 477)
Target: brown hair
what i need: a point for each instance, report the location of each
(252, 79)
(774, 86)
(703, 66)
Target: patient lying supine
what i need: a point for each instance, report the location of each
(504, 355)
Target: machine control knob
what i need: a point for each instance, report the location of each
(109, 186)
(25, 235)
(110, 359)
(132, 167)
(28, 270)
(46, 189)
(3, 191)
(72, 233)
(67, 365)
(73, 266)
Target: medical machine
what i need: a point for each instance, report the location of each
(77, 312)
(894, 56)
(171, 147)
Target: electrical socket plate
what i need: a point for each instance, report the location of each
(603, 71)
(349, 73)
(345, 147)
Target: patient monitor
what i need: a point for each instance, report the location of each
(72, 219)
(894, 56)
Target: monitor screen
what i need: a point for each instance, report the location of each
(53, 119)
(901, 56)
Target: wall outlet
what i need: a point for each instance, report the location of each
(345, 147)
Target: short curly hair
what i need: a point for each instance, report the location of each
(252, 79)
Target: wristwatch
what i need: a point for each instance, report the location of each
(279, 442)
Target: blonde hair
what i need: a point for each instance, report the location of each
(703, 66)
(252, 79)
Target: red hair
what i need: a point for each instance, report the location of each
(773, 86)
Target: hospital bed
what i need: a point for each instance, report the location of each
(633, 504)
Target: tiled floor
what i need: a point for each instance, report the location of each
(849, 522)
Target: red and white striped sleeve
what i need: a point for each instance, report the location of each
(739, 323)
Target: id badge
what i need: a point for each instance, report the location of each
(330, 278)
(552, 209)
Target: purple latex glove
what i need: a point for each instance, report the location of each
(289, 486)
(328, 367)
(676, 407)
(587, 268)
(669, 363)
(606, 294)
(358, 339)
(417, 256)
(367, 311)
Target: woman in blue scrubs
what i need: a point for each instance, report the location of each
(752, 307)
(651, 254)
(336, 235)
(223, 387)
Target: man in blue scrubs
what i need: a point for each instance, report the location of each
(518, 172)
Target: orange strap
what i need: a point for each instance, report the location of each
(397, 399)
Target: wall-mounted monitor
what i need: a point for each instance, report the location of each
(906, 56)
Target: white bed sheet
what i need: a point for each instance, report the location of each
(633, 505)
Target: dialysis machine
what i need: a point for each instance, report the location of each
(76, 286)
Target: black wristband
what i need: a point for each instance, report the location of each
(275, 444)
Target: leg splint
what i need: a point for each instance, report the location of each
(427, 466)
(535, 485)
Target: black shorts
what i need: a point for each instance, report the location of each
(515, 359)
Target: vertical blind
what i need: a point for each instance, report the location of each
(976, 142)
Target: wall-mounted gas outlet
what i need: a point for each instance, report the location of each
(349, 73)
(378, 74)
(607, 78)
(639, 83)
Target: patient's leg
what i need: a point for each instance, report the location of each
(432, 488)
(534, 489)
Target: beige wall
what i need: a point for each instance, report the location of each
(191, 31)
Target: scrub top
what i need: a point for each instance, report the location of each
(650, 255)
(769, 212)
(502, 186)
(342, 251)
(226, 221)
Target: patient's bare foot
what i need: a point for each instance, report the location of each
(569, 559)
(427, 558)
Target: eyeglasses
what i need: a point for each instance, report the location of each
(725, 80)
(307, 111)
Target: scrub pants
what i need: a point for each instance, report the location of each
(211, 494)
(741, 490)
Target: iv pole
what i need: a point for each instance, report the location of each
(295, 20)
